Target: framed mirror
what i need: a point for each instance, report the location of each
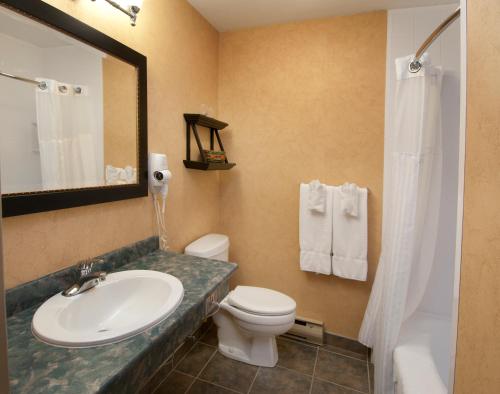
(73, 104)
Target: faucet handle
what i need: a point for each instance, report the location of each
(86, 266)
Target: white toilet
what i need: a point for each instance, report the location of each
(249, 318)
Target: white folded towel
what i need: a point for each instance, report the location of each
(317, 196)
(349, 199)
(120, 176)
(350, 238)
(315, 234)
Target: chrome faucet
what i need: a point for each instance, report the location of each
(87, 281)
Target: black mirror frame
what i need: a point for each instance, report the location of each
(20, 204)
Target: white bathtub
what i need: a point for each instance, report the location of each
(422, 356)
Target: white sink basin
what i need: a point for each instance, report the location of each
(123, 305)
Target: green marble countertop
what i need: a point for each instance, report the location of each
(121, 367)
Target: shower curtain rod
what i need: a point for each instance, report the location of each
(416, 65)
(42, 85)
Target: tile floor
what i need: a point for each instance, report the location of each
(339, 367)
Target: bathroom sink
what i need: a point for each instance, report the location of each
(125, 304)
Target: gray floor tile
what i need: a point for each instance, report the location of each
(203, 329)
(196, 359)
(176, 383)
(297, 340)
(346, 343)
(371, 372)
(343, 370)
(279, 380)
(158, 377)
(181, 351)
(210, 337)
(322, 387)
(200, 387)
(345, 352)
(296, 356)
(346, 346)
(229, 373)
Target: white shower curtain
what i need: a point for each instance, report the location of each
(66, 136)
(411, 206)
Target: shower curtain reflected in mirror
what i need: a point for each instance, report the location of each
(410, 217)
(67, 133)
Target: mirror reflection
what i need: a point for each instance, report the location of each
(68, 110)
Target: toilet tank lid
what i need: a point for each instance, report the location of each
(261, 301)
(207, 246)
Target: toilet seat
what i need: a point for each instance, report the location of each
(261, 301)
(259, 306)
(263, 320)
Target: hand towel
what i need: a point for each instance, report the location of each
(349, 199)
(350, 238)
(315, 234)
(317, 196)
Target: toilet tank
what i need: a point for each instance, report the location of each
(210, 246)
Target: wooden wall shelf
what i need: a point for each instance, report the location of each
(205, 121)
(199, 165)
(193, 120)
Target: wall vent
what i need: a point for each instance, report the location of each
(307, 330)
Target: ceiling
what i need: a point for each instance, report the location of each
(227, 15)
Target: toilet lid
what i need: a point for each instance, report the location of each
(261, 301)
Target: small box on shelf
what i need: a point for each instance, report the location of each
(215, 156)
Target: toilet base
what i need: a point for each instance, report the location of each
(262, 352)
(248, 346)
(250, 338)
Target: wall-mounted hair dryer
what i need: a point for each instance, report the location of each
(159, 176)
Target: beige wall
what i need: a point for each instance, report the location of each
(176, 40)
(478, 352)
(278, 124)
(119, 80)
(304, 101)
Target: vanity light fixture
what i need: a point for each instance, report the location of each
(129, 7)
